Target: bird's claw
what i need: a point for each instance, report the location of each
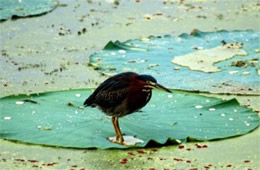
(128, 141)
(111, 139)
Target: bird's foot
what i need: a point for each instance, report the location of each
(128, 140)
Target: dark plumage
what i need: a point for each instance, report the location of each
(121, 95)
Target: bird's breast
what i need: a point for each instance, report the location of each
(148, 94)
(138, 99)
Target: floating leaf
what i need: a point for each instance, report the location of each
(52, 121)
(23, 8)
(153, 56)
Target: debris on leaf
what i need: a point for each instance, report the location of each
(70, 104)
(176, 68)
(245, 73)
(223, 42)
(122, 51)
(111, 68)
(26, 100)
(7, 118)
(30, 101)
(44, 128)
(257, 50)
(239, 63)
(19, 102)
(197, 47)
(198, 107)
(147, 17)
(73, 105)
(153, 65)
(233, 72)
(254, 60)
(204, 60)
(212, 109)
(137, 61)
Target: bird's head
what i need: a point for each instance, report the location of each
(151, 83)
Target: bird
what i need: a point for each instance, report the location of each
(121, 95)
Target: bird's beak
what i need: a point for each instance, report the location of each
(160, 87)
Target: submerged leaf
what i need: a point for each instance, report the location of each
(177, 117)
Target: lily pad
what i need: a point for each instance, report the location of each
(22, 8)
(192, 69)
(58, 119)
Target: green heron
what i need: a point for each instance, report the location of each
(123, 94)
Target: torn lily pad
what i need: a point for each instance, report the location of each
(177, 117)
(204, 60)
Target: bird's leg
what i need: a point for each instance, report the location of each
(114, 119)
(119, 139)
(119, 136)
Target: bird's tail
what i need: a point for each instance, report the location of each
(89, 101)
(86, 103)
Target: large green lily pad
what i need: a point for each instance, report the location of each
(23, 8)
(57, 119)
(182, 62)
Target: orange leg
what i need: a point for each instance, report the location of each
(119, 136)
(119, 139)
(116, 130)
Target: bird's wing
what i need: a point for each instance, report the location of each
(110, 93)
(111, 98)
